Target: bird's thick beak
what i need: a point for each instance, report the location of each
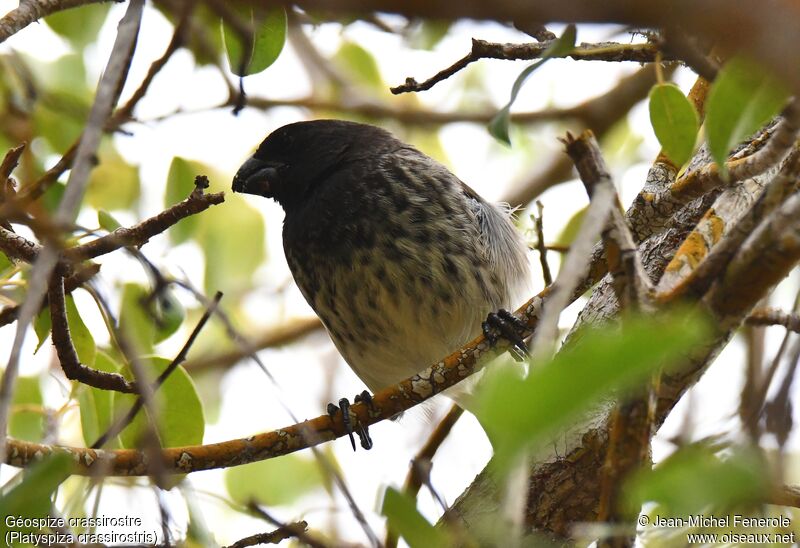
(254, 177)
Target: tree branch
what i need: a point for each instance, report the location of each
(70, 363)
(139, 234)
(773, 316)
(282, 533)
(768, 35)
(30, 11)
(481, 49)
(278, 336)
(385, 404)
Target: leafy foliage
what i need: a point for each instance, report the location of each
(27, 417)
(180, 419)
(694, 479)
(743, 98)
(274, 482)
(565, 43)
(30, 498)
(521, 412)
(404, 518)
(675, 122)
(266, 41)
(96, 405)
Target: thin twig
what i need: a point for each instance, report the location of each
(126, 419)
(274, 337)
(65, 349)
(31, 11)
(575, 266)
(773, 316)
(299, 533)
(140, 233)
(273, 537)
(124, 113)
(481, 49)
(540, 247)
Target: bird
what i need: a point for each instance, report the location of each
(401, 260)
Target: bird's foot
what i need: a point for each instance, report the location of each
(505, 324)
(361, 429)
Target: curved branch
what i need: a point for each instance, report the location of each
(140, 233)
(385, 404)
(65, 349)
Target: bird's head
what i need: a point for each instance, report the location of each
(294, 159)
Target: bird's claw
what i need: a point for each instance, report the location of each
(361, 429)
(505, 324)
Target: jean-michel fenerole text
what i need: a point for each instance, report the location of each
(728, 521)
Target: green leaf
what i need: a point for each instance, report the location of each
(233, 250)
(180, 412)
(31, 497)
(570, 230)
(113, 183)
(519, 413)
(428, 33)
(742, 99)
(27, 424)
(498, 127)
(360, 65)
(97, 406)
(694, 479)
(134, 319)
(267, 43)
(81, 336)
(5, 263)
(274, 482)
(58, 130)
(107, 221)
(41, 326)
(674, 121)
(80, 25)
(65, 75)
(180, 183)
(52, 197)
(406, 521)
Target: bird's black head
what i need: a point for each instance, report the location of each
(295, 158)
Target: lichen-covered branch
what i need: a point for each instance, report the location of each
(384, 405)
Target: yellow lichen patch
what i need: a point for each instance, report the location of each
(691, 252)
(716, 225)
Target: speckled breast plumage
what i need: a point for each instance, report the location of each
(402, 262)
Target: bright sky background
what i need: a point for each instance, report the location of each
(223, 141)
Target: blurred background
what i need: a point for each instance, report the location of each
(185, 125)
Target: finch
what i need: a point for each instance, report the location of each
(400, 259)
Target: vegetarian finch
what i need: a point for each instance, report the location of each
(400, 259)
